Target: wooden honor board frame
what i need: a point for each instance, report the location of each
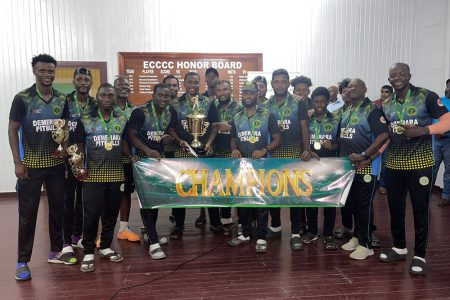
(146, 69)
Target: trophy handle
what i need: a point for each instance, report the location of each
(185, 124)
(205, 127)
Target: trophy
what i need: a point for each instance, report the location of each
(76, 162)
(196, 125)
(59, 135)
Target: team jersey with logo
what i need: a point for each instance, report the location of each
(253, 133)
(288, 117)
(420, 109)
(323, 130)
(102, 165)
(76, 112)
(359, 126)
(36, 117)
(150, 127)
(184, 108)
(129, 108)
(223, 139)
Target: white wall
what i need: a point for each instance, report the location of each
(324, 39)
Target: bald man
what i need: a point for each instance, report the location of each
(335, 103)
(410, 111)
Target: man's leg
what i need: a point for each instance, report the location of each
(124, 231)
(69, 205)
(111, 204)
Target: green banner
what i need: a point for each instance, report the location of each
(197, 182)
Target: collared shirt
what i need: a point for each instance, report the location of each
(36, 118)
(327, 129)
(332, 106)
(76, 112)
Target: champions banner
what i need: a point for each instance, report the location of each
(197, 182)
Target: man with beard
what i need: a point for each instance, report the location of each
(145, 132)
(292, 119)
(33, 112)
(80, 103)
(187, 103)
(409, 163)
(261, 82)
(363, 130)
(227, 108)
(125, 107)
(254, 133)
(100, 136)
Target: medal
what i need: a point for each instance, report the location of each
(317, 145)
(108, 146)
(252, 139)
(400, 129)
(367, 178)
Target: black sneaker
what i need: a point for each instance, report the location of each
(330, 243)
(176, 233)
(309, 237)
(296, 243)
(220, 230)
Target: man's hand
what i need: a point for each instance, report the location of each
(152, 154)
(362, 164)
(167, 138)
(327, 145)
(356, 157)
(223, 127)
(208, 149)
(21, 171)
(306, 155)
(257, 154)
(236, 154)
(184, 146)
(412, 131)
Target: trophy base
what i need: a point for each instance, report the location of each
(199, 150)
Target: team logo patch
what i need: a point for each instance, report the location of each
(228, 118)
(164, 124)
(328, 127)
(117, 128)
(56, 110)
(367, 178)
(287, 112)
(411, 111)
(424, 180)
(439, 102)
(382, 120)
(354, 120)
(257, 124)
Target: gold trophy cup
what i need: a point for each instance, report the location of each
(76, 162)
(196, 125)
(59, 135)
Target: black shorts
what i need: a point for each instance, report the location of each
(129, 180)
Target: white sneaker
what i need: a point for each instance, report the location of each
(79, 244)
(350, 245)
(361, 252)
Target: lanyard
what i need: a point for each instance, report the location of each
(401, 113)
(316, 130)
(223, 113)
(252, 126)
(77, 105)
(155, 117)
(106, 126)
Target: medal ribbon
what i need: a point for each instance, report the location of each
(252, 126)
(316, 130)
(106, 126)
(280, 110)
(401, 113)
(350, 113)
(223, 114)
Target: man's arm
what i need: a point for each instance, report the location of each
(13, 136)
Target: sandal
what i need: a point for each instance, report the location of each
(261, 246)
(23, 273)
(157, 253)
(87, 266)
(112, 256)
(420, 264)
(392, 256)
(330, 243)
(237, 241)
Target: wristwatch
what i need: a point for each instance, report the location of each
(363, 154)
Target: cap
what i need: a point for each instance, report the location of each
(249, 86)
(82, 71)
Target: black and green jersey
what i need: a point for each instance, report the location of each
(76, 111)
(320, 131)
(150, 127)
(420, 107)
(129, 108)
(103, 163)
(36, 117)
(255, 132)
(184, 108)
(359, 126)
(223, 139)
(288, 117)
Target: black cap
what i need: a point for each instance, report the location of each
(82, 71)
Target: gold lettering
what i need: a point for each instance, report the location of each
(179, 183)
(302, 179)
(202, 181)
(293, 183)
(216, 181)
(278, 184)
(229, 182)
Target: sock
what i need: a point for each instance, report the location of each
(261, 242)
(241, 237)
(295, 235)
(415, 268)
(88, 257)
(25, 274)
(154, 246)
(400, 251)
(226, 221)
(275, 229)
(105, 251)
(123, 226)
